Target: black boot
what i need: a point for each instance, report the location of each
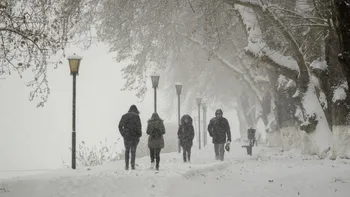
(127, 161)
(157, 163)
(127, 164)
(132, 162)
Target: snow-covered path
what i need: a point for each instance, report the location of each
(270, 179)
(268, 172)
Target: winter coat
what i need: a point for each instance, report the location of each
(155, 130)
(218, 128)
(186, 132)
(130, 125)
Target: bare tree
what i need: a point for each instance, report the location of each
(33, 33)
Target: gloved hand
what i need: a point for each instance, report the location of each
(227, 146)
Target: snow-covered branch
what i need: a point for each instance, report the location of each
(258, 48)
(247, 3)
(291, 74)
(311, 25)
(250, 15)
(284, 30)
(295, 14)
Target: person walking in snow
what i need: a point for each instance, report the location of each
(155, 130)
(186, 135)
(130, 128)
(218, 129)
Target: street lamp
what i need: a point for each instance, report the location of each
(74, 63)
(178, 91)
(199, 100)
(204, 107)
(155, 81)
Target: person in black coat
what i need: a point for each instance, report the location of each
(186, 135)
(130, 128)
(218, 129)
(155, 130)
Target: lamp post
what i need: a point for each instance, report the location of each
(178, 91)
(199, 100)
(204, 107)
(155, 81)
(74, 63)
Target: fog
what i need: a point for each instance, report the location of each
(39, 138)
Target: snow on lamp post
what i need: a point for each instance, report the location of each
(178, 87)
(74, 63)
(204, 107)
(199, 100)
(155, 81)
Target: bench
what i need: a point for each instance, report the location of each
(250, 146)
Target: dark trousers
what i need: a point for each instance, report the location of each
(155, 155)
(130, 146)
(186, 153)
(219, 151)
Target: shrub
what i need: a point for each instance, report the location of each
(97, 155)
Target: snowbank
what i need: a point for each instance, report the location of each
(6, 174)
(273, 139)
(341, 137)
(269, 172)
(290, 137)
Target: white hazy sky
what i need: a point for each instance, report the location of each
(39, 138)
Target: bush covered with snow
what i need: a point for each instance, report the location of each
(88, 155)
(97, 155)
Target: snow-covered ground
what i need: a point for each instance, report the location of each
(6, 174)
(269, 172)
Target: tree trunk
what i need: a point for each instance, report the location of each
(247, 107)
(342, 22)
(338, 56)
(243, 126)
(339, 108)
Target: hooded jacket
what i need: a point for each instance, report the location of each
(155, 130)
(185, 132)
(219, 128)
(130, 124)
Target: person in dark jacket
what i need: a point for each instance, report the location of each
(186, 135)
(155, 130)
(130, 128)
(218, 129)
